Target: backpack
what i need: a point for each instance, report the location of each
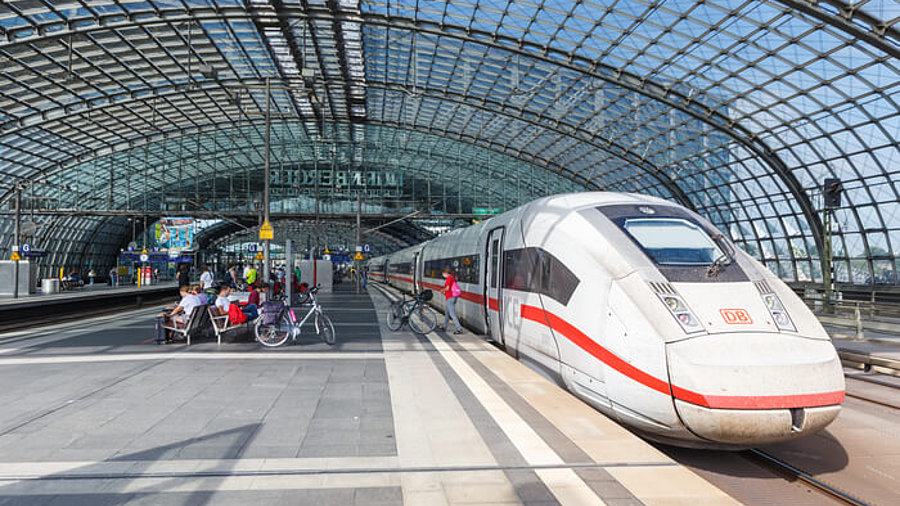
(235, 315)
(455, 290)
(271, 312)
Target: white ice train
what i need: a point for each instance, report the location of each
(644, 310)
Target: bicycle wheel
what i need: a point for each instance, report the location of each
(422, 320)
(272, 335)
(395, 316)
(325, 328)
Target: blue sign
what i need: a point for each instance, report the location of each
(26, 248)
(340, 258)
(153, 258)
(32, 252)
(252, 248)
(366, 248)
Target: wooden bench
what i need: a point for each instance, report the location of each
(221, 323)
(197, 323)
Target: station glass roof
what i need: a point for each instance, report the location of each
(736, 108)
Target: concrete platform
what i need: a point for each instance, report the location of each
(84, 296)
(85, 293)
(94, 413)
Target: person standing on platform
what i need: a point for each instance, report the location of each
(279, 277)
(451, 291)
(91, 275)
(206, 279)
(232, 276)
(183, 278)
(250, 274)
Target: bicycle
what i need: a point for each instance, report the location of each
(415, 312)
(276, 322)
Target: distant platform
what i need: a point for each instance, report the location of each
(96, 291)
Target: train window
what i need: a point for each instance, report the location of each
(671, 241)
(520, 270)
(401, 268)
(557, 281)
(536, 271)
(465, 268)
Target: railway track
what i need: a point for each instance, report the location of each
(875, 381)
(793, 473)
(872, 364)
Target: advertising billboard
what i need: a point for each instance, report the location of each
(176, 234)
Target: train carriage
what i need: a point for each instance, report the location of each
(644, 310)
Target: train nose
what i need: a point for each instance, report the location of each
(755, 388)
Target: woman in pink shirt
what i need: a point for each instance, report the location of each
(451, 291)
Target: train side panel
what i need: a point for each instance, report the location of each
(462, 252)
(400, 269)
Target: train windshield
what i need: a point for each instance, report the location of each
(673, 241)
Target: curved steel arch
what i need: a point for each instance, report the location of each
(641, 85)
(883, 32)
(205, 170)
(225, 234)
(578, 132)
(216, 126)
(618, 77)
(582, 135)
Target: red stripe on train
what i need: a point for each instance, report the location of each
(584, 342)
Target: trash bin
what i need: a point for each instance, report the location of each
(50, 285)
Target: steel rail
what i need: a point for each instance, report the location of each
(794, 472)
(869, 399)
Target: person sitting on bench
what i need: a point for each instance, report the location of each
(222, 301)
(253, 302)
(179, 316)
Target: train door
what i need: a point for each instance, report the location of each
(415, 275)
(493, 283)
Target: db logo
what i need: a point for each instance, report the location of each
(736, 316)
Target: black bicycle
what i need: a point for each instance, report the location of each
(415, 312)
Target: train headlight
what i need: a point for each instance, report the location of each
(682, 314)
(779, 314)
(673, 303)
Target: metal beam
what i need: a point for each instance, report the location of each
(880, 34)
(366, 217)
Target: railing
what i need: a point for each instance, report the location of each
(861, 315)
(840, 306)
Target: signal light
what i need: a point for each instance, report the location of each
(832, 190)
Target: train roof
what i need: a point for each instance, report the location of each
(573, 201)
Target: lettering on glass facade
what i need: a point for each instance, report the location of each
(345, 179)
(339, 182)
